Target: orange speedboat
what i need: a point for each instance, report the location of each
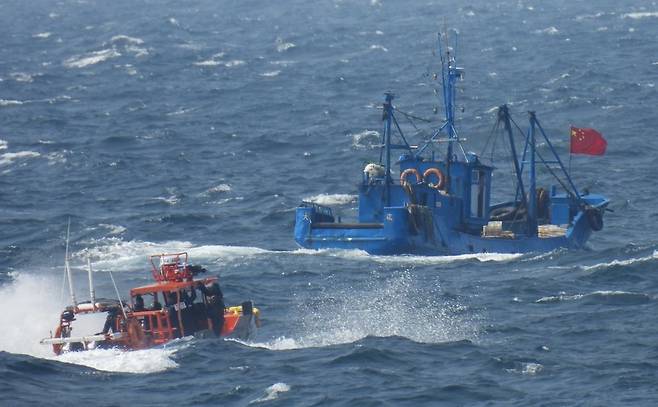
(180, 305)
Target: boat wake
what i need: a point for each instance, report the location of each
(115, 254)
(356, 254)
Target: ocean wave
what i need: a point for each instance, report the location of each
(550, 31)
(282, 63)
(58, 157)
(332, 199)
(607, 296)
(171, 200)
(270, 74)
(235, 62)
(272, 393)
(3, 144)
(641, 14)
(215, 62)
(22, 77)
(526, 368)
(366, 139)
(8, 158)
(10, 102)
(219, 189)
(42, 35)
(378, 47)
(127, 39)
(113, 229)
(627, 262)
(282, 45)
(91, 58)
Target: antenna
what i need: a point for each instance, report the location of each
(67, 268)
(92, 291)
(118, 296)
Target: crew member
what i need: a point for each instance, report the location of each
(215, 309)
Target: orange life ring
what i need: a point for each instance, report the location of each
(439, 174)
(410, 171)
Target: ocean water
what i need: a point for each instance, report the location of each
(200, 125)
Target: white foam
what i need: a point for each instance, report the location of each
(42, 35)
(169, 200)
(366, 139)
(220, 188)
(10, 102)
(8, 158)
(282, 45)
(599, 293)
(22, 77)
(379, 47)
(3, 145)
(233, 63)
(639, 15)
(92, 58)
(527, 368)
(621, 262)
(270, 74)
(127, 39)
(115, 360)
(550, 31)
(58, 157)
(31, 307)
(209, 62)
(113, 229)
(272, 392)
(411, 259)
(137, 51)
(115, 254)
(332, 199)
(283, 63)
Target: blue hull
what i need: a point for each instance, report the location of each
(397, 235)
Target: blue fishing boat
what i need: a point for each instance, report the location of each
(441, 203)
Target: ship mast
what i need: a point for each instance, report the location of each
(67, 267)
(388, 117)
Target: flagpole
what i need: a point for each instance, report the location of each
(570, 155)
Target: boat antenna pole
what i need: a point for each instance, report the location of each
(532, 207)
(67, 268)
(388, 114)
(92, 291)
(450, 95)
(116, 290)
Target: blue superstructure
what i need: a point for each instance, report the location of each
(443, 206)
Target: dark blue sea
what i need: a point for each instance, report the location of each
(159, 126)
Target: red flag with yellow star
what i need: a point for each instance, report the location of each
(587, 141)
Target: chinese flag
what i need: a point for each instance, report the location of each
(587, 141)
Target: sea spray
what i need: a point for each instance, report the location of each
(394, 306)
(31, 307)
